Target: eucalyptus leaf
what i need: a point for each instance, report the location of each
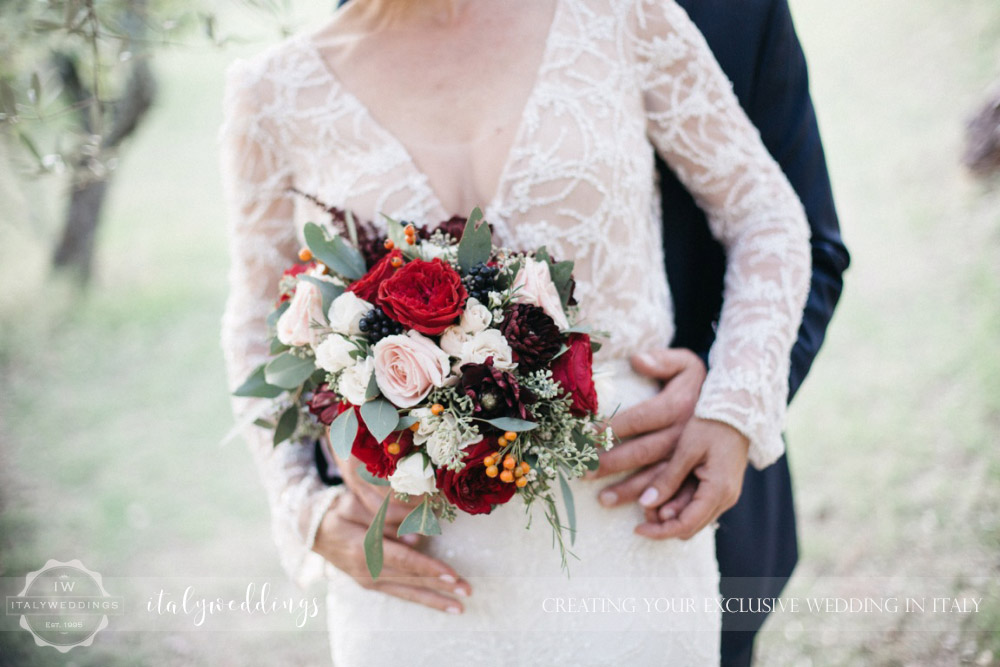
(406, 422)
(380, 418)
(329, 290)
(580, 329)
(372, 391)
(373, 540)
(288, 371)
(334, 252)
(567, 495)
(256, 386)
(476, 245)
(370, 478)
(343, 430)
(421, 520)
(286, 425)
(263, 423)
(512, 424)
(277, 347)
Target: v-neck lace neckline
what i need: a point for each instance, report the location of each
(392, 139)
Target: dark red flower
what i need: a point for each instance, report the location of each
(376, 456)
(531, 334)
(454, 227)
(574, 371)
(367, 288)
(424, 296)
(324, 404)
(495, 393)
(470, 489)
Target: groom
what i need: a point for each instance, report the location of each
(756, 45)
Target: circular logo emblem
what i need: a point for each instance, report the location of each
(64, 605)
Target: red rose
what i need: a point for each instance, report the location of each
(425, 296)
(470, 489)
(574, 371)
(374, 454)
(367, 287)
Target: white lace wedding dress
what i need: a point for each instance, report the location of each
(618, 80)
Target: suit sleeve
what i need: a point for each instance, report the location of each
(781, 107)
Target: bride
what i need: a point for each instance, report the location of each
(546, 113)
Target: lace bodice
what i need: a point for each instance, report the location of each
(618, 80)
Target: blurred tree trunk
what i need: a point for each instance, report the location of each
(91, 177)
(982, 137)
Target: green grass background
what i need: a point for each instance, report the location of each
(112, 402)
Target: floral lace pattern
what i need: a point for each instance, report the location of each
(618, 80)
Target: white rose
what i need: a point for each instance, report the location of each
(452, 340)
(334, 354)
(413, 476)
(296, 325)
(408, 366)
(489, 343)
(475, 318)
(353, 384)
(533, 284)
(346, 312)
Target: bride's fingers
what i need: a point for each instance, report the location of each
(391, 575)
(628, 490)
(423, 596)
(403, 558)
(638, 452)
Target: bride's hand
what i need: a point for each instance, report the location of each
(406, 572)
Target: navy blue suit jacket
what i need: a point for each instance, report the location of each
(756, 45)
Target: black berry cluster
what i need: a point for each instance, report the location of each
(377, 325)
(482, 280)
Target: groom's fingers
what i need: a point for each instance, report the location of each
(642, 451)
(701, 511)
(628, 490)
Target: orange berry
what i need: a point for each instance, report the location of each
(510, 435)
(518, 472)
(305, 254)
(396, 262)
(410, 230)
(521, 482)
(389, 245)
(393, 448)
(525, 468)
(411, 240)
(507, 476)
(509, 462)
(489, 461)
(502, 441)
(437, 409)
(491, 471)
(415, 426)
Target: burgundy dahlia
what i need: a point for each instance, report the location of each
(532, 335)
(495, 393)
(324, 404)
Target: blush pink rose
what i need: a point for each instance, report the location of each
(295, 326)
(408, 366)
(533, 284)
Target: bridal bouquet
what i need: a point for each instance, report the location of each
(449, 367)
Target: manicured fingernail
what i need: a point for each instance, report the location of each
(410, 539)
(608, 498)
(649, 497)
(647, 358)
(454, 610)
(448, 579)
(461, 592)
(667, 513)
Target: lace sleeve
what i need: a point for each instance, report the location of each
(695, 122)
(262, 244)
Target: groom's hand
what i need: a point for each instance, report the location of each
(650, 430)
